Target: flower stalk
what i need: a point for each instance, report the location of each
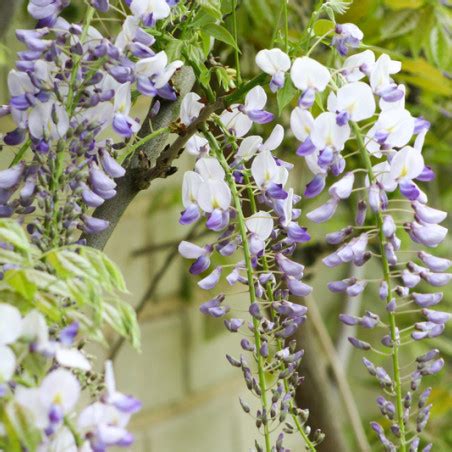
(250, 277)
(387, 278)
(279, 342)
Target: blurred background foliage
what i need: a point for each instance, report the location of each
(417, 32)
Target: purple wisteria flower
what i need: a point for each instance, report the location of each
(391, 156)
(260, 243)
(61, 107)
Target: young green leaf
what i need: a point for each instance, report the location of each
(220, 34)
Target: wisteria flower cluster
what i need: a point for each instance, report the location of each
(390, 149)
(241, 189)
(71, 85)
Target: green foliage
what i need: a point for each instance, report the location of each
(68, 283)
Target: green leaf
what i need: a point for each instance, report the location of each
(18, 280)
(323, 26)
(115, 274)
(211, 7)
(123, 319)
(194, 55)
(426, 76)
(174, 48)
(10, 257)
(46, 282)
(397, 24)
(261, 12)
(220, 34)
(21, 426)
(440, 47)
(285, 95)
(12, 437)
(223, 77)
(11, 233)
(68, 264)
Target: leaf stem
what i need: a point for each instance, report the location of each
(387, 278)
(18, 157)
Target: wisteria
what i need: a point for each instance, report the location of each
(78, 135)
(241, 190)
(236, 169)
(389, 141)
(63, 106)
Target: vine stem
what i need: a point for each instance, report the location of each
(87, 22)
(387, 278)
(250, 277)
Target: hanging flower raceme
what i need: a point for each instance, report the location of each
(249, 204)
(62, 107)
(390, 155)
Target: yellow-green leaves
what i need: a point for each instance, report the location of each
(404, 4)
(426, 76)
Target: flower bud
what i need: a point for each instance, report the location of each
(359, 344)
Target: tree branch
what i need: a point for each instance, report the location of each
(132, 183)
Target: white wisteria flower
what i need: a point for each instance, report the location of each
(357, 66)
(276, 63)
(266, 171)
(354, 101)
(310, 77)
(190, 108)
(123, 124)
(198, 146)
(48, 120)
(260, 226)
(254, 106)
(394, 128)
(150, 11)
(52, 400)
(406, 165)
(235, 121)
